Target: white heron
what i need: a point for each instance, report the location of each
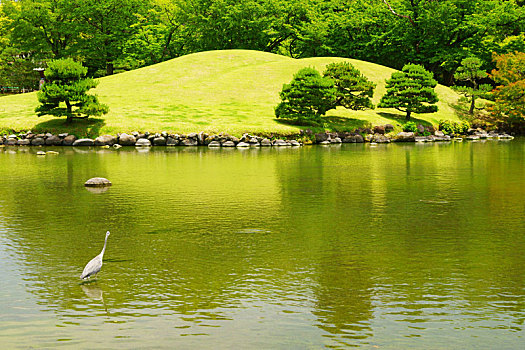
(94, 266)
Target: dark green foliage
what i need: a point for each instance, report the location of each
(307, 98)
(354, 90)
(452, 128)
(133, 33)
(410, 91)
(410, 127)
(65, 92)
(470, 72)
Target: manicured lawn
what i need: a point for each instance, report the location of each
(232, 91)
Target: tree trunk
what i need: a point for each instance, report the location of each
(473, 98)
(109, 68)
(69, 114)
(408, 115)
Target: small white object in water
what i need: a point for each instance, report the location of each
(40, 153)
(51, 152)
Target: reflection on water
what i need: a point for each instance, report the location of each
(394, 246)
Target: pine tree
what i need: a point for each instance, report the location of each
(307, 98)
(65, 92)
(354, 90)
(470, 72)
(410, 91)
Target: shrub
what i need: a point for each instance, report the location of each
(410, 127)
(451, 127)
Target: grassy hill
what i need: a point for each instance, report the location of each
(232, 91)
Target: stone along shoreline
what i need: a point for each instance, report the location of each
(378, 135)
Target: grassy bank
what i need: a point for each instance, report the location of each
(232, 91)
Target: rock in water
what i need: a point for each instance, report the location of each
(97, 182)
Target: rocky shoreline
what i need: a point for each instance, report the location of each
(380, 134)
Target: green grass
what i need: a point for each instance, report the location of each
(232, 91)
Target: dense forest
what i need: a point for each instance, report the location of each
(109, 36)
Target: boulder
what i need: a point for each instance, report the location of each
(69, 140)
(379, 129)
(335, 140)
(228, 144)
(83, 142)
(378, 138)
(143, 143)
(192, 135)
(127, 140)
(23, 142)
(97, 182)
(442, 138)
(350, 139)
(38, 141)
(420, 129)
(472, 137)
(63, 135)
(405, 137)
(266, 143)
(326, 142)
(159, 141)
(53, 140)
(295, 143)
(214, 144)
(201, 137)
(280, 143)
(190, 142)
(389, 127)
(171, 141)
(439, 133)
(243, 145)
(40, 153)
(321, 137)
(105, 140)
(10, 142)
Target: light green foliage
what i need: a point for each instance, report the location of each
(470, 72)
(450, 127)
(66, 83)
(411, 91)
(410, 127)
(307, 97)
(354, 90)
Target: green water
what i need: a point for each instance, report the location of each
(394, 246)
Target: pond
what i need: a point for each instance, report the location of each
(393, 246)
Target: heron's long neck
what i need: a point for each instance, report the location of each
(103, 249)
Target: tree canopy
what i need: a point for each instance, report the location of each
(353, 89)
(510, 94)
(470, 72)
(410, 91)
(109, 35)
(65, 92)
(307, 97)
